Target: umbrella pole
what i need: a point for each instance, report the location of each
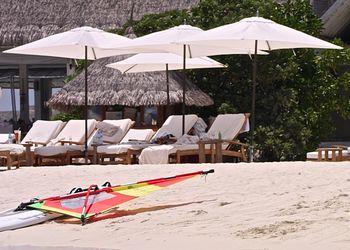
(252, 127)
(85, 107)
(183, 90)
(13, 103)
(167, 89)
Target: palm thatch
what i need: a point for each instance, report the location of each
(24, 21)
(109, 86)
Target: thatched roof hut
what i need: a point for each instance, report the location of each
(109, 86)
(24, 21)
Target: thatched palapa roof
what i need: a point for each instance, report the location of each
(107, 86)
(24, 21)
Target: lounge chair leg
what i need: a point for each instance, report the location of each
(35, 160)
(178, 158)
(201, 153)
(128, 157)
(8, 161)
(98, 160)
(66, 160)
(18, 159)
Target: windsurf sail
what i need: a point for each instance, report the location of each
(94, 201)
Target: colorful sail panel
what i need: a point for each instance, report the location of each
(86, 204)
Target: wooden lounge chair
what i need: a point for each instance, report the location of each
(41, 133)
(72, 134)
(66, 150)
(221, 140)
(122, 127)
(124, 152)
(228, 126)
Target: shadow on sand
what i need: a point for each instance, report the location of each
(115, 213)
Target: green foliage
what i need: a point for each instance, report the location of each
(66, 116)
(226, 108)
(297, 90)
(156, 22)
(78, 69)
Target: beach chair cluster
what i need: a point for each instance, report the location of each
(117, 142)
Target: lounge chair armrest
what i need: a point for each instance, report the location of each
(33, 143)
(68, 142)
(232, 142)
(28, 144)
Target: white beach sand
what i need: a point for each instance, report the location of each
(290, 205)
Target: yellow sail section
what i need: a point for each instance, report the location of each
(137, 190)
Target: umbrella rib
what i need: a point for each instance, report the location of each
(94, 53)
(268, 45)
(130, 68)
(189, 51)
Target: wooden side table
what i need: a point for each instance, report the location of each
(29, 155)
(215, 150)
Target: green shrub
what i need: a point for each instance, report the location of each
(226, 108)
(66, 116)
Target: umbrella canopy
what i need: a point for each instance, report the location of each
(79, 43)
(243, 34)
(72, 43)
(108, 86)
(254, 33)
(169, 40)
(146, 62)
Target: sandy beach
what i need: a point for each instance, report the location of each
(289, 205)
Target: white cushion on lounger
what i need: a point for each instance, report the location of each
(143, 135)
(156, 154)
(50, 150)
(43, 131)
(229, 125)
(62, 149)
(13, 148)
(159, 154)
(138, 134)
(123, 124)
(113, 149)
(57, 150)
(173, 125)
(74, 131)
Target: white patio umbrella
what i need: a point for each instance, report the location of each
(80, 43)
(147, 62)
(169, 40)
(254, 33)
